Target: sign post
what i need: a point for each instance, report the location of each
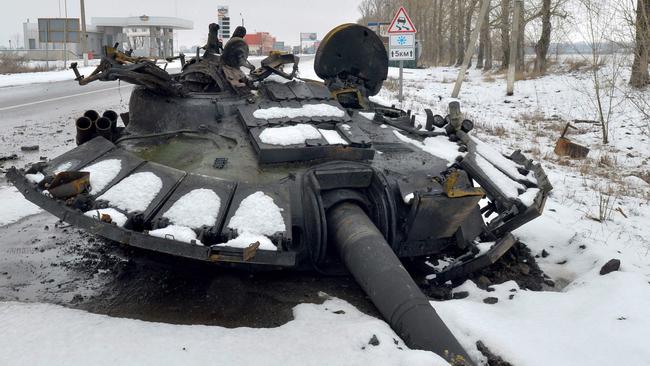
(401, 44)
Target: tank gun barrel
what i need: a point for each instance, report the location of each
(379, 272)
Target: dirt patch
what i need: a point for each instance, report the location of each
(518, 264)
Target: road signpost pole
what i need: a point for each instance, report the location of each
(400, 97)
(401, 44)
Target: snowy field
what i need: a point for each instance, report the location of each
(599, 210)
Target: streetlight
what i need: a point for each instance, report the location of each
(84, 35)
(242, 19)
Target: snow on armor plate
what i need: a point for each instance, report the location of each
(135, 192)
(179, 233)
(116, 216)
(102, 173)
(199, 207)
(256, 217)
(307, 110)
(289, 135)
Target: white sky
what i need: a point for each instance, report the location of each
(285, 19)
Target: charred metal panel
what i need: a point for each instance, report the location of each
(319, 90)
(81, 155)
(344, 178)
(277, 91)
(462, 269)
(300, 89)
(434, 216)
(354, 134)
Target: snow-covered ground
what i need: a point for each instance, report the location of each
(332, 333)
(599, 210)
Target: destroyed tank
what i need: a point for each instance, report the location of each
(266, 170)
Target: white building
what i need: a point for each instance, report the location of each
(223, 19)
(146, 36)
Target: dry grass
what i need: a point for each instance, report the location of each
(392, 85)
(573, 65)
(489, 78)
(11, 64)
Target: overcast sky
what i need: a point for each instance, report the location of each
(284, 19)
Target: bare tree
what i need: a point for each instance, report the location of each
(484, 40)
(542, 45)
(460, 29)
(640, 77)
(605, 65)
(505, 32)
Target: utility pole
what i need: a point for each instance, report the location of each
(470, 48)
(84, 35)
(512, 63)
(65, 37)
(47, 41)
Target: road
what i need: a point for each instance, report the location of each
(41, 260)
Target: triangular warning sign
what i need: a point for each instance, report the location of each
(401, 23)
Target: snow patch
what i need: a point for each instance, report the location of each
(102, 173)
(14, 206)
(289, 135)
(332, 137)
(246, 239)
(368, 115)
(35, 178)
(135, 192)
(63, 167)
(195, 209)
(438, 146)
(116, 216)
(528, 197)
(174, 232)
(509, 187)
(307, 110)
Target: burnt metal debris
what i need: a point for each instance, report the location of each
(566, 147)
(369, 186)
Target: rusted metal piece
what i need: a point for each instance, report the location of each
(274, 64)
(69, 184)
(106, 218)
(250, 251)
(566, 147)
(229, 254)
(453, 189)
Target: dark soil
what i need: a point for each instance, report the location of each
(518, 264)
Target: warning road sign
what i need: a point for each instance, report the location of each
(401, 23)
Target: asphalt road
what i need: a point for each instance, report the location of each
(44, 261)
